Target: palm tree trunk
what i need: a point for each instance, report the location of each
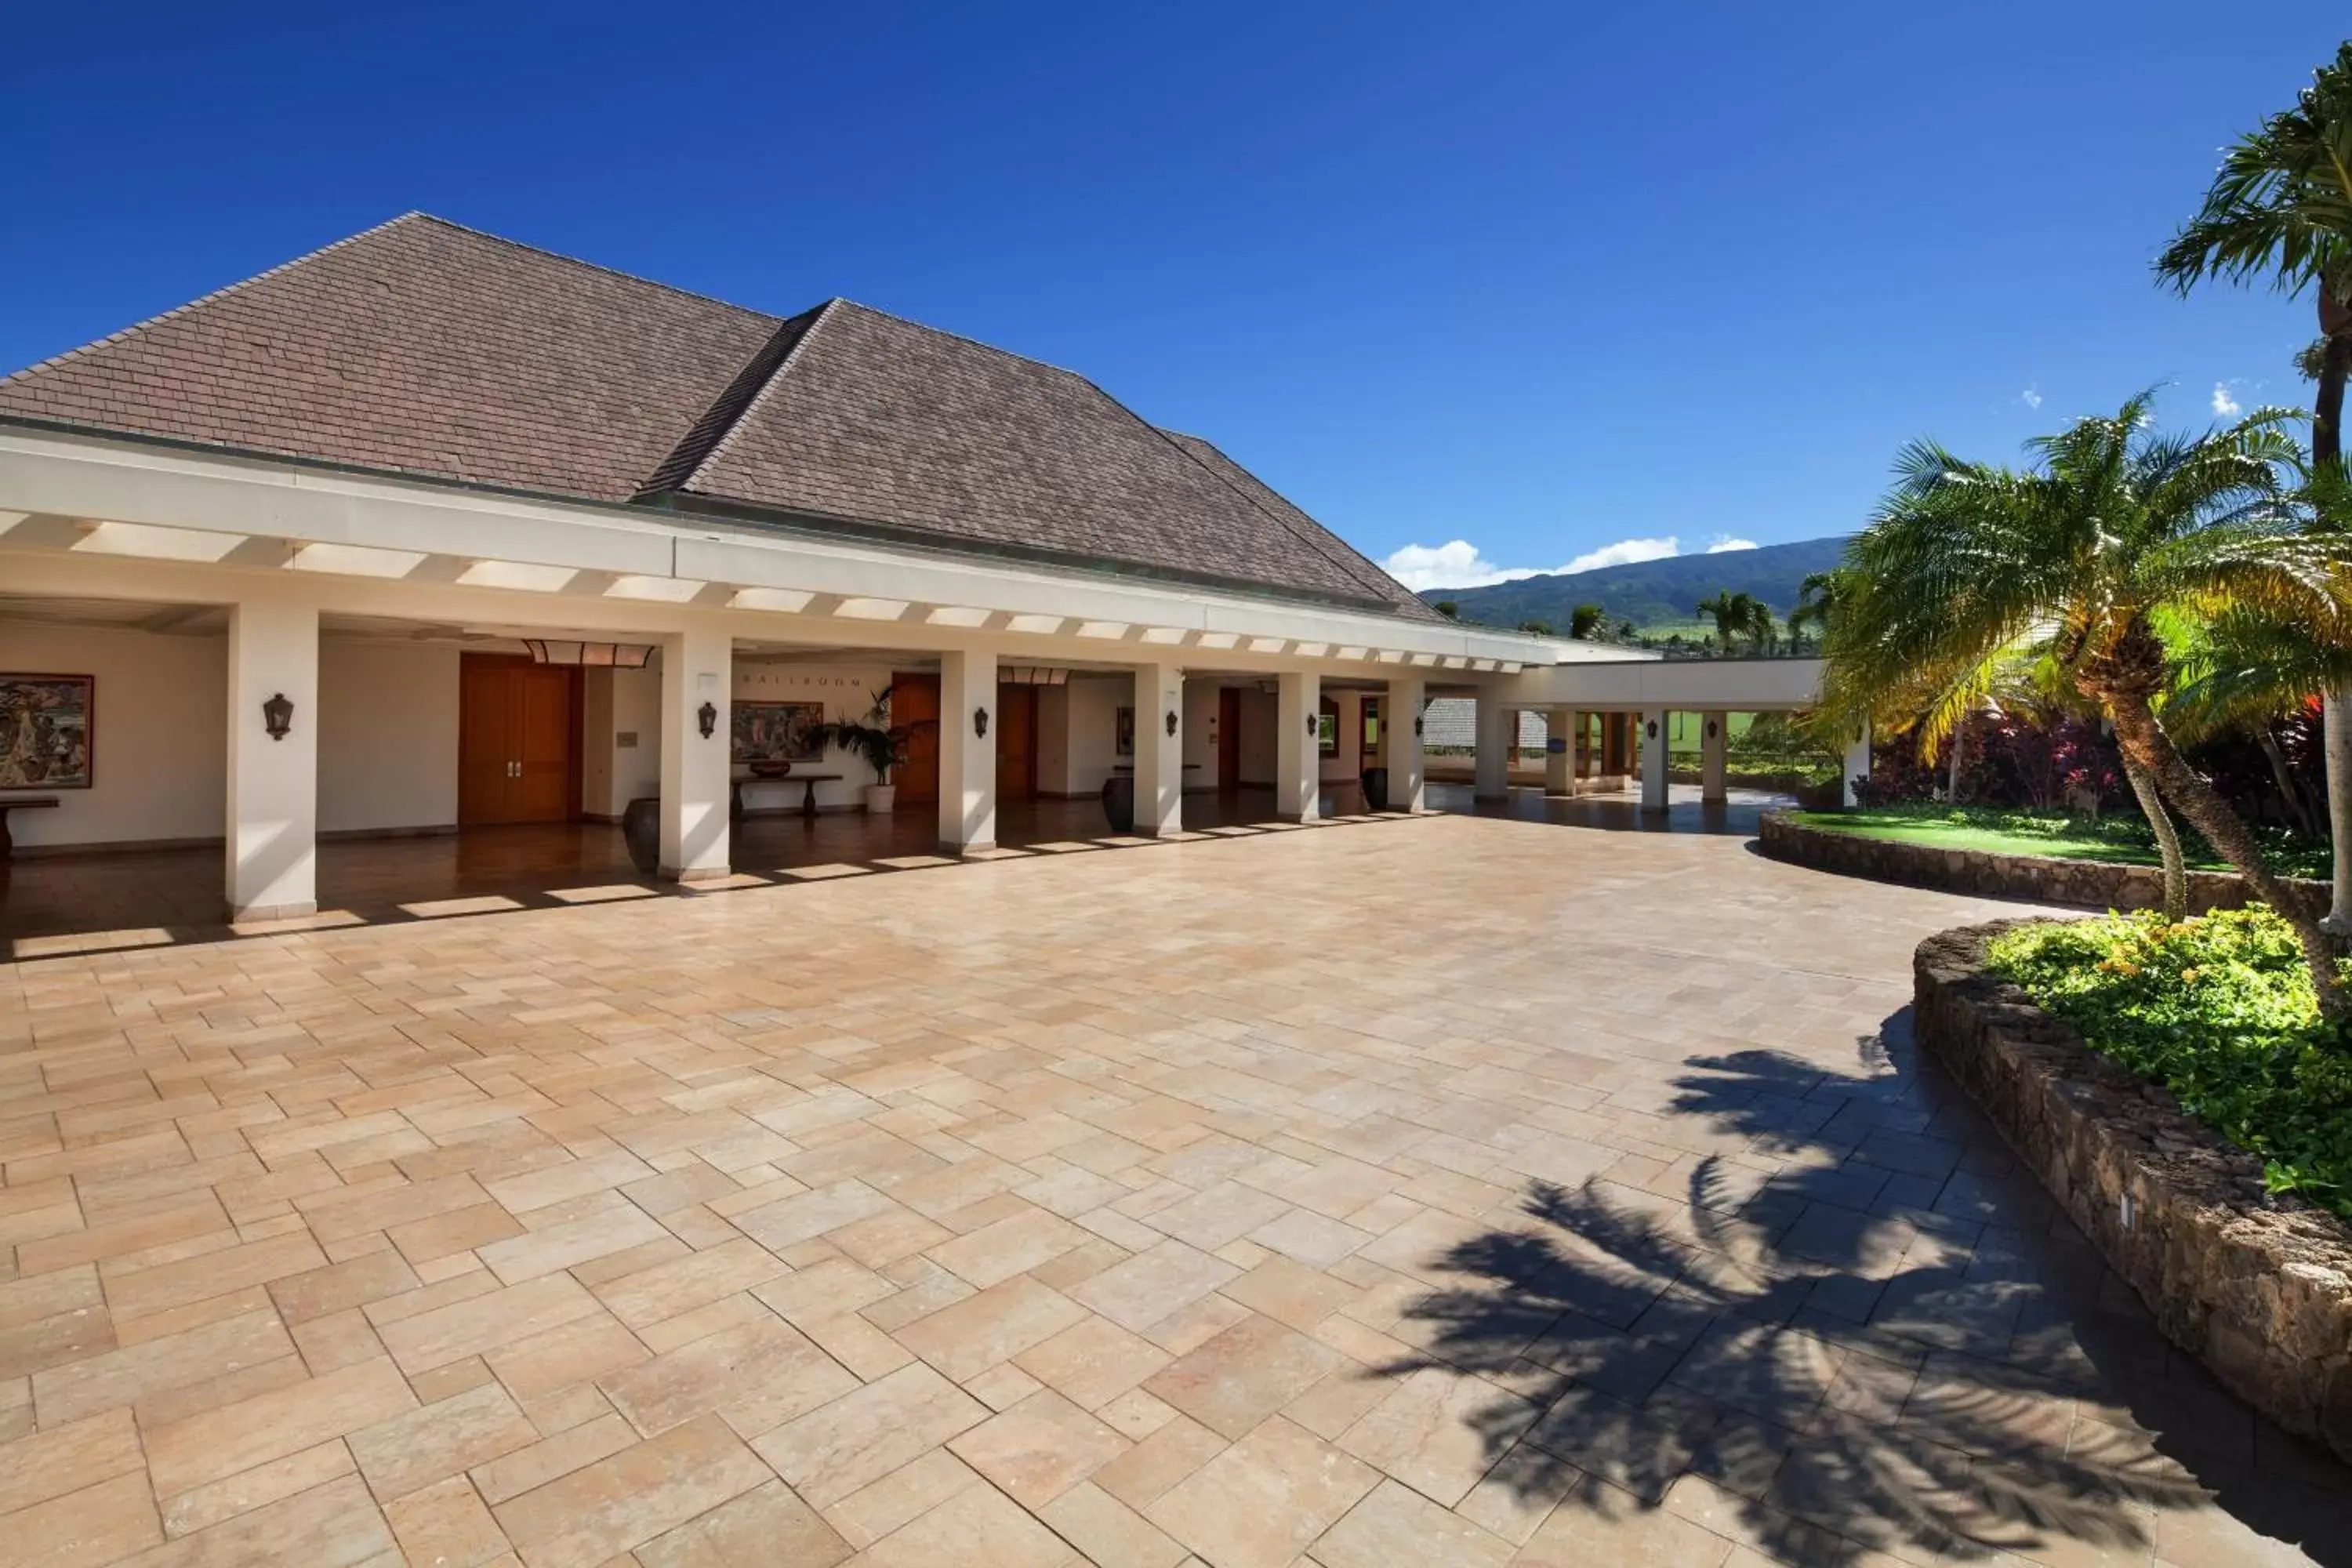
(2168, 839)
(2328, 452)
(1960, 746)
(2290, 788)
(2142, 739)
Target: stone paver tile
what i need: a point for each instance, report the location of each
(483, 1322)
(862, 1437)
(152, 1367)
(767, 1527)
(221, 1442)
(1014, 1245)
(1290, 1293)
(557, 1453)
(1439, 1431)
(1260, 1502)
(1171, 1449)
(66, 1459)
(1108, 1532)
(1220, 1214)
(448, 1526)
(758, 1375)
(1038, 1449)
(973, 1334)
(592, 1514)
(979, 1527)
(338, 1286)
(99, 1524)
(1153, 1283)
(562, 1246)
(434, 1442)
(1092, 1362)
(681, 1285)
(877, 1508)
(1395, 1527)
(826, 1289)
(1244, 1375)
(1604, 1524)
(805, 1216)
(144, 1291)
(336, 1525)
(554, 1359)
(210, 1504)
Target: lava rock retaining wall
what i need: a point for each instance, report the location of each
(2093, 884)
(2258, 1287)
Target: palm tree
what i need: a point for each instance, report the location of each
(1734, 615)
(1763, 632)
(2112, 536)
(1584, 620)
(1817, 598)
(2280, 208)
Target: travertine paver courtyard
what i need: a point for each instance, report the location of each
(1452, 1191)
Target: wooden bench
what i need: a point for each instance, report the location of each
(21, 803)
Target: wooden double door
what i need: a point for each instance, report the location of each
(915, 703)
(518, 740)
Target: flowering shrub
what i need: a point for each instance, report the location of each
(2219, 1010)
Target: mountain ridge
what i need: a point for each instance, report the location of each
(1649, 592)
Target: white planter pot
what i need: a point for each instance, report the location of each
(880, 798)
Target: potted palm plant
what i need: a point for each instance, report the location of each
(879, 744)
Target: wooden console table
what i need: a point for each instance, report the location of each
(21, 803)
(808, 796)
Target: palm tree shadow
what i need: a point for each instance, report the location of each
(1819, 1335)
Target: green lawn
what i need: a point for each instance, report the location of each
(2123, 839)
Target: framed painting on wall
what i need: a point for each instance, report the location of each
(1124, 743)
(1326, 729)
(776, 731)
(47, 723)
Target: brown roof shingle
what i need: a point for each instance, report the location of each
(424, 348)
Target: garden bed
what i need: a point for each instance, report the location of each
(2256, 1284)
(2090, 874)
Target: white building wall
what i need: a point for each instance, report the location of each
(1201, 735)
(1092, 737)
(159, 755)
(387, 735)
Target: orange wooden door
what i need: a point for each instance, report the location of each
(516, 758)
(485, 762)
(915, 703)
(542, 743)
(1229, 738)
(1016, 743)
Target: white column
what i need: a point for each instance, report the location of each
(697, 673)
(272, 860)
(1857, 763)
(1491, 728)
(1159, 751)
(1560, 751)
(1297, 754)
(967, 752)
(1401, 745)
(1653, 740)
(1714, 749)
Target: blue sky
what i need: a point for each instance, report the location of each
(1528, 281)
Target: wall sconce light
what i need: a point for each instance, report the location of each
(708, 717)
(1171, 723)
(1416, 726)
(1312, 727)
(1653, 729)
(979, 724)
(1710, 729)
(278, 716)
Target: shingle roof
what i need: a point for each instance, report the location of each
(424, 348)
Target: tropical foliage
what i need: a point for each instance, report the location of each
(1740, 617)
(2219, 1010)
(2094, 558)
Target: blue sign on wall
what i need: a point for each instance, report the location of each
(1556, 744)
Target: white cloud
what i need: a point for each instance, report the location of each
(2030, 397)
(1453, 564)
(1458, 563)
(2225, 405)
(1624, 552)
